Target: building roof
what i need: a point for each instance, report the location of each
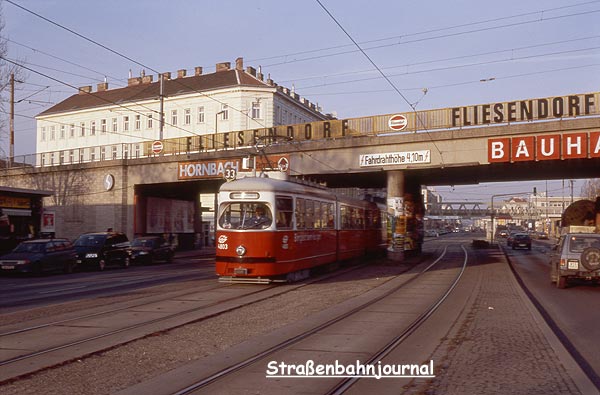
(141, 91)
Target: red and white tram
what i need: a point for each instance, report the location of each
(275, 230)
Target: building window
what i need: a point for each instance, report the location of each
(52, 159)
(43, 133)
(82, 129)
(174, 117)
(256, 110)
(201, 114)
(138, 122)
(102, 153)
(62, 131)
(187, 116)
(137, 151)
(125, 151)
(72, 130)
(93, 154)
(81, 155)
(115, 126)
(224, 112)
(103, 125)
(71, 156)
(52, 133)
(114, 152)
(149, 121)
(93, 128)
(126, 124)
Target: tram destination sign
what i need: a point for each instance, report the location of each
(395, 158)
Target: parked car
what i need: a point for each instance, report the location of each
(149, 249)
(102, 249)
(576, 256)
(521, 240)
(38, 256)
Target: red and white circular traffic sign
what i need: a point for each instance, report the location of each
(397, 122)
(157, 147)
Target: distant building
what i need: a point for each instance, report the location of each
(113, 123)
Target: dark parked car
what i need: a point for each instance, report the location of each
(38, 256)
(521, 240)
(149, 249)
(102, 249)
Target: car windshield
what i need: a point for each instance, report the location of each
(90, 240)
(30, 247)
(580, 243)
(144, 243)
(521, 237)
(245, 216)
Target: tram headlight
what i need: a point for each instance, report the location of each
(240, 250)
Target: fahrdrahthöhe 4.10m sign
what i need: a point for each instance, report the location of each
(395, 158)
(578, 145)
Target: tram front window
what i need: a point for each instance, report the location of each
(245, 216)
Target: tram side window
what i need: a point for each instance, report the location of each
(327, 216)
(318, 216)
(346, 216)
(310, 214)
(284, 207)
(300, 213)
(359, 218)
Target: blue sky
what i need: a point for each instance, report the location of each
(528, 49)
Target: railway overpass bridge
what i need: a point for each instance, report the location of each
(544, 138)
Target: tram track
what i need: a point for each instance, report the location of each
(409, 284)
(46, 357)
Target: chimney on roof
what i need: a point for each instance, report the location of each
(181, 73)
(147, 79)
(251, 70)
(223, 66)
(197, 71)
(85, 89)
(239, 64)
(134, 81)
(103, 86)
(167, 75)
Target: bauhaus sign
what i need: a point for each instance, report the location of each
(544, 147)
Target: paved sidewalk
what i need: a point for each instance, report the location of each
(501, 344)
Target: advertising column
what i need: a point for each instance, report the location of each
(396, 215)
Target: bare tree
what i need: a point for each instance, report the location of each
(591, 188)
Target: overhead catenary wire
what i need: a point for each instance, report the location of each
(412, 106)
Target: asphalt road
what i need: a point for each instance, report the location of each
(23, 291)
(574, 311)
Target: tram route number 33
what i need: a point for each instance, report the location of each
(229, 174)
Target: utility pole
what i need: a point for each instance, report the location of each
(11, 154)
(161, 116)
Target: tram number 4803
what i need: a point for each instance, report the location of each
(229, 174)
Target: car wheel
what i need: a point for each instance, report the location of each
(561, 282)
(529, 248)
(38, 268)
(126, 262)
(69, 267)
(101, 264)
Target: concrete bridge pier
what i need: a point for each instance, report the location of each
(405, 209)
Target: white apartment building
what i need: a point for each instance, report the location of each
(114, 123)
